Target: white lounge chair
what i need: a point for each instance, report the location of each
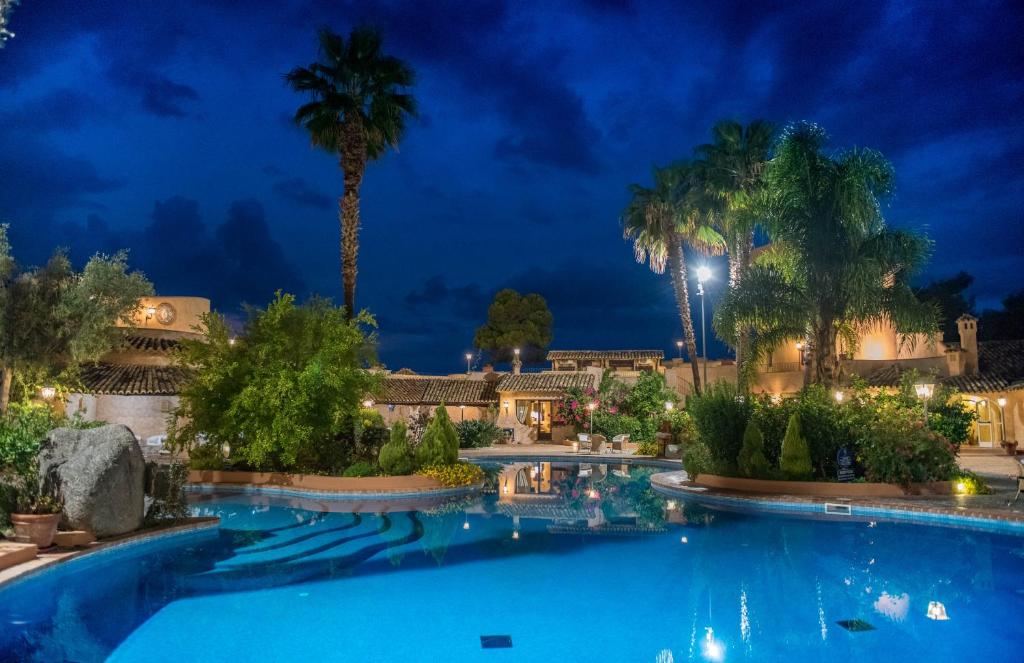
(619, 441)
(597, 444)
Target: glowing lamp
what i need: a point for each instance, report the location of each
(575, 447)
(48, 393)
(669, 405)
(703, 273)
(799, 345)
(1001, 401)
(516, 352)
(593, 494)
(592, 406)
(924, 390)
(937, 611)
(368, 403)
(515, 535)
(838, 396)
(684, 540)
(465, 525)
(151, 311)
(231, 341)
(961, 487)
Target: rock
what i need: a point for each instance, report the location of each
(99, 475)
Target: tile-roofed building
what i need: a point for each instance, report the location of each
(133, 380)
(546, 382)
(1000, 368)
(621, 361)
(148, 343)
(437, 390)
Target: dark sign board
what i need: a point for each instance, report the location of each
(844, 459)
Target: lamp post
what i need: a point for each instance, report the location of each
(924, 392)
(469, 358)
(679, 347)
(48, 393)
(703, 274)
(1002, 418)
(591, 406)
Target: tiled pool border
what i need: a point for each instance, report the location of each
(569, 457)
(922, 514)
(196, 528)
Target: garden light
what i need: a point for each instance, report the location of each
(838, 396)
(368, 403)
(669, 405)
(679, 346)
(924, 392)
(469, 359)
(1001, 401)
(48, 393)
(961, 487)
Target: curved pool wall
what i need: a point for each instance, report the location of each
(939, 516)
(283, 583)
(285, 491)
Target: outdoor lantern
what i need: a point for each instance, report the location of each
(575, 447)
(669, 405)
(799, 345)
(838, 396)
(937, 611)
(924, 390)
(231, 341)
(368, 403)
(1001, 401)
(703, 273)
(48, 393)
(516, 351)
(150, 311)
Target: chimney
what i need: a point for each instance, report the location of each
(517, 364)
(967, 325)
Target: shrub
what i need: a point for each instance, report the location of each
(697, 460)
(648, 396)
(647, 449)
(610, 424)
(440, 444)
(477, 433)
(452, 475)
(680, 422)
(952, 418)
(360, 468)
(206, 456)
(396, 456)
(751, 461)
(795, 459)
(720, 415)
(22, 428)
(897, 448)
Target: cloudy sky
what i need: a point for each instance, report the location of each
(165, 128)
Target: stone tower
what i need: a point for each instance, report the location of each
(967, 325)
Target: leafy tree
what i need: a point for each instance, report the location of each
(834, 265)
(53, 318)
(1006, 324)
(358, 109)
(516, 321)
(751, 460)
(948, 297)
(795, 460)
(732, 168)
(440, 443)
(287, 394)
(661, 221)
(396, 456)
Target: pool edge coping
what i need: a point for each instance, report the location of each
(989, 521)
(339, 495)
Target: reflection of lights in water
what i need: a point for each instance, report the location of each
(504, 488)
(744, 618)
(515, 534)
(822, 624)
(873, 524)
(961, 487)
(465, 525)
(671, 505)
(665, 656)
(937, 611)
(593, 494)
(712, 648)
(684, 540)
(895, 607)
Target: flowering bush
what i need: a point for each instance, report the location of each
(452, 475)
(572, 409)
(897, 448)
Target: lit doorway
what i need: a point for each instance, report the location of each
(537, 415)
(984, 425)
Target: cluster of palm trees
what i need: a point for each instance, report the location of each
(832, 266)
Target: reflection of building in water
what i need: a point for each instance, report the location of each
(576, 499)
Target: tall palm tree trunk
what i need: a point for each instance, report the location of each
(824, 355)
(5, 388)
(677, 269)
(739, 262)
(353, 165)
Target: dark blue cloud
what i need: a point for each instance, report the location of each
(534, 118)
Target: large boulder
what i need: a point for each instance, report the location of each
(99, 474)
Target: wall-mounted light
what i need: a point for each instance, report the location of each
(669, 405)
(368, 403)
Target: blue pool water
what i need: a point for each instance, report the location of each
(621, 574)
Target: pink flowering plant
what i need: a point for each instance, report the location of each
(572, 409)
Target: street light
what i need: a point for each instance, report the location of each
(924, 391)
(469, 358)
(1002, 418)
(703, 274)
(679, 347)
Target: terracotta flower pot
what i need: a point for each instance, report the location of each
(37, 529)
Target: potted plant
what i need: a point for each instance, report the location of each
(1010, 446)
(36, 515)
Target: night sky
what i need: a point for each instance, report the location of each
(165, 128)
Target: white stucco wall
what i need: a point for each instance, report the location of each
(144, 415)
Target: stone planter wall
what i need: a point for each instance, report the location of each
(821, 488)
(313, 482)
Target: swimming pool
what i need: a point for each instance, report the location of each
(571, 562)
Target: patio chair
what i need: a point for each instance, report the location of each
(583, 439)
(619, 441)
(597, 444)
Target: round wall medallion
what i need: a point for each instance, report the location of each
(165, 314)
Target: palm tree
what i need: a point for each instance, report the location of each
(833, 265)
(358, 110)
(660, 221)
(732, 166)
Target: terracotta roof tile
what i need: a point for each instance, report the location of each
(149, 344)
(605, 354)
(434, 391)
(1000, 368)
(555, 381)
(133, 380)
